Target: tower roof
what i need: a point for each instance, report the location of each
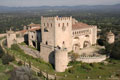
(110, 33)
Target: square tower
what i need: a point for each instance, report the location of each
(56, 32)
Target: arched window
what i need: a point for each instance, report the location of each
(51, 24)
(59, 25)
(86, 35)
(67, 24)
(46, 43)
(47, 24)
(63, 42)
(63, 24)
(73, 33)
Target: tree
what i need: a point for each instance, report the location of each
(6, 58)
(1, 52)
(115, 51)
(108, 48)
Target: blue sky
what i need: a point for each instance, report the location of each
(22, 3)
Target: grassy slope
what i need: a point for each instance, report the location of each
(3, 71)
(99, 69)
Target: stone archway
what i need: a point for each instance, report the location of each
(86, 44)
(76, 47)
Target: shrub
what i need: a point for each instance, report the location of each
(6, 58)
(20, 63)
(86, 66)
(74, 56)
(74, 63)
(101, 67)
(71, 70)
(94, 65)
(1, 52)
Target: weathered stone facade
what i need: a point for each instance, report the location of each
(64, 33)
(57, 36)
(110, 37)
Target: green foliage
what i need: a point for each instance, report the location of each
(94, 65)
(17, 51)
(113, 50)
(20, 63)
(115, 53)
(16, 47)
(71, 63)
(74, 56)
(101, 42)
(6, 58)
(1, 52)
(86, 66)
(108, 48)
(4, 71)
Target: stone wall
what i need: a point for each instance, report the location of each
(89, 59)
(61, 60)
(20, 39)
(2, 35)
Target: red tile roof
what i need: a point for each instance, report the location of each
(34, 29)
(80, 25)
(33, 25)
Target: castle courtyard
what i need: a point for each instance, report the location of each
(92, 50)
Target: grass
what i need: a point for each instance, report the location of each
(23, 43)
(37, 62)
(83, 70)
(4, 69)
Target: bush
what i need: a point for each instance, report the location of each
(115, 53)
(6, 58)
(101, 42)
(71, 70)
(1, 52)
(94, 65)
(86, 66)
(20, 63)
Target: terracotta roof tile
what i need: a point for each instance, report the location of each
(33, 25)
(34, 29)
(80, 25)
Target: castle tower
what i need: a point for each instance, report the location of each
(11, 38)
(110, 38)
(61, 60)
(56, 32)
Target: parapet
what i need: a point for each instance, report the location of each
(56, 18)
(63, 18)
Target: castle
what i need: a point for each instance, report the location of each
(56, 36)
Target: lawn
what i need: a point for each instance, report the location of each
(82, 70)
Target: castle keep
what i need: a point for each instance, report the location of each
(56, 36)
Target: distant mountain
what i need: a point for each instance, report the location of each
(107, 8)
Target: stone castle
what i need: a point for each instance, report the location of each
(55, 37)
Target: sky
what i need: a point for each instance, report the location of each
(27, 3)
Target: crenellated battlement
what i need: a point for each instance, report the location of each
(47, 18)
(63, 18)
(56, 18)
